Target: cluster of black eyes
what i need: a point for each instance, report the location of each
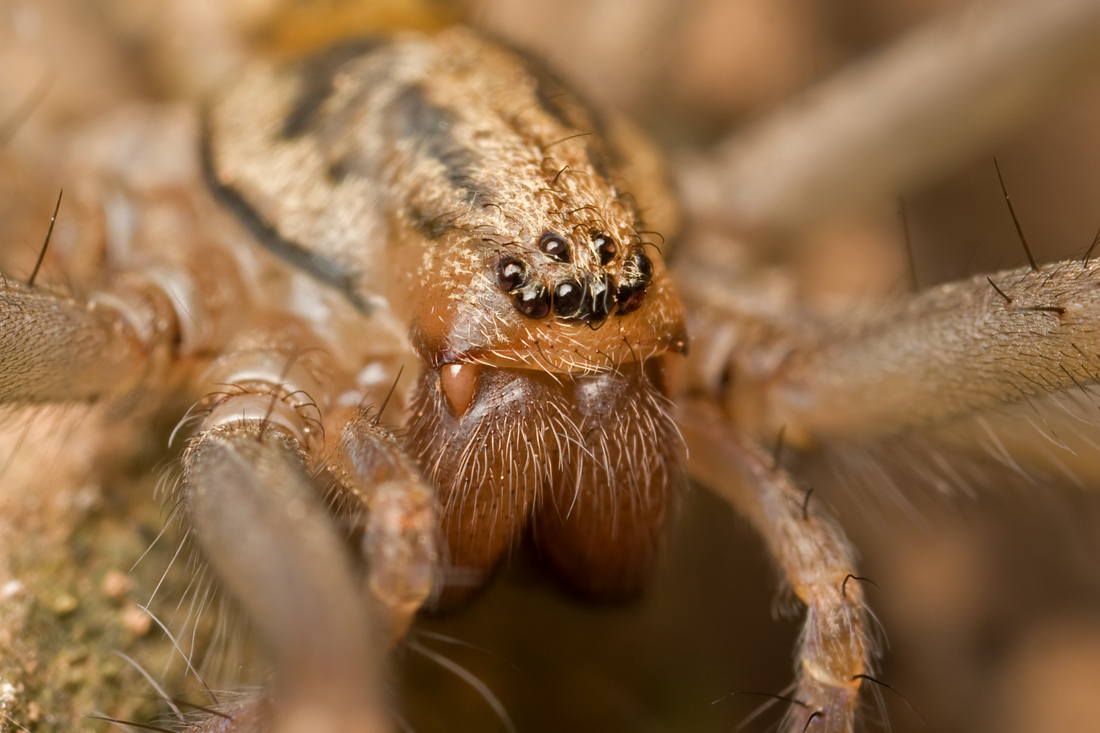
(571, 299)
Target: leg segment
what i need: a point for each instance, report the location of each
(382, 489)
(953, 350)
(263, 528)
(958, 84)
(815, 558)
(945, 353)
(55, 349)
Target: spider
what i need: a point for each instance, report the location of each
(746, 381)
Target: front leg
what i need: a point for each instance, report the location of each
(815, 558)
(379, 485)
(258, 515)
(262, 527)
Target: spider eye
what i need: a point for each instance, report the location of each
(533, 301)
(644, 266)
(511, 273)
(639, 276)
(568, 297)
(606, 247)
(630, 298)
(555, 246)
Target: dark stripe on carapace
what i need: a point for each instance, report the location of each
(326, 270)
(338, 171)
(598, 162)
(555, 96)
(415, 117)
(432, 227)
(316, 76)
(570, 108)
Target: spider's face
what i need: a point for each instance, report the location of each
(560, 297)
(506, 233)
(550, 335)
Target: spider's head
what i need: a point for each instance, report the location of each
(560, 275)
(545, 403)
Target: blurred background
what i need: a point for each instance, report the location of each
(989, 599)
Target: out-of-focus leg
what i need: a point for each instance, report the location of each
(386, 495)
(263, 526)
(815, 558)
(950, 351)
(56, 349)
(945, 353)
(264, 530)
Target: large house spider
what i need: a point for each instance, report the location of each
(554, 323)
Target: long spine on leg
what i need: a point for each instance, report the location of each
(815, 558)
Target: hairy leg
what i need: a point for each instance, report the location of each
(55, 349)
(264, 529)
(814, 557)
(952, 350)
(387, 497)
(262, 524)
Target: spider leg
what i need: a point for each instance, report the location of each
(961, 82)
(261, 522)
(263, 528)
(947, 352)
(56, 349)
(815, 559)
(396, 508)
